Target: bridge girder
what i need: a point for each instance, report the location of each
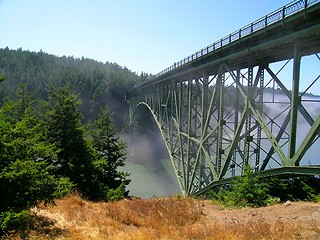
(212, 130)
(219, 115)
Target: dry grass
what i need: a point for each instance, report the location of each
(163, 218)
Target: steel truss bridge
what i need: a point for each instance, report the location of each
(242, 100)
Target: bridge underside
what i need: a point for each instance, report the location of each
(233, 108)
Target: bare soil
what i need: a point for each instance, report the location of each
(306, 212)
(296, 220)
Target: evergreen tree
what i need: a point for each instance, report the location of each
(245, 191)
(90, 160)
(26, 175)
(65, 130)
(99, 84)
(111, 156)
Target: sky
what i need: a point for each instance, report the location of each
(142, 35)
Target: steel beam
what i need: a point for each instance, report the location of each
(295, 101)
(214, 118)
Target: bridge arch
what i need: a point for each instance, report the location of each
(211, 108)
(160, 127)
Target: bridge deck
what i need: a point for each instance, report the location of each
(217, 111)
(271, 43)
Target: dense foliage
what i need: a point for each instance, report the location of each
(26, 172)
(110, 155)
(57, 132)
(98, 84)
(89, 155)
(254, 191)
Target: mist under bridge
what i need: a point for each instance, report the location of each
(250, 98)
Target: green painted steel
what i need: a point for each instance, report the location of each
(228, 106)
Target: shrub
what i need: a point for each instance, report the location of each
(247, 190)
(255, 191)
(294, 188)
(12, 220)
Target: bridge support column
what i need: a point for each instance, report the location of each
(248, 137)
(295, 102)
(221, 121)
(225, 107)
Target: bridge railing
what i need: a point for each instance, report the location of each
(264, 22)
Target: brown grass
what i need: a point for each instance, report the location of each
(162, 218)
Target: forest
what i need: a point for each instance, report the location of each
(97, 84)
(58, 121)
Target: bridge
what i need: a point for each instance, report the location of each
(240, 102)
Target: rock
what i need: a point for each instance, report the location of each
(287, 203)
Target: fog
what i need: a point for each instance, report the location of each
(312, 105)
(148, 161)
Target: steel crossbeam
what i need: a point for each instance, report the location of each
(223, 111)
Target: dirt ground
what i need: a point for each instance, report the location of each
(305, 215)
(306, 212)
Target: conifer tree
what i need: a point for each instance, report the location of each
(65, 130)
(89, 159)
(111, 156)
(26, 175)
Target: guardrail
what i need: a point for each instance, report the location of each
(274, 17)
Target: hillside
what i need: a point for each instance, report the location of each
(97, 84)
(171, 218)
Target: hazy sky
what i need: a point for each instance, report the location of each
(143, 35)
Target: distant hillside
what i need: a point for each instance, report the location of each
(98, 84)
